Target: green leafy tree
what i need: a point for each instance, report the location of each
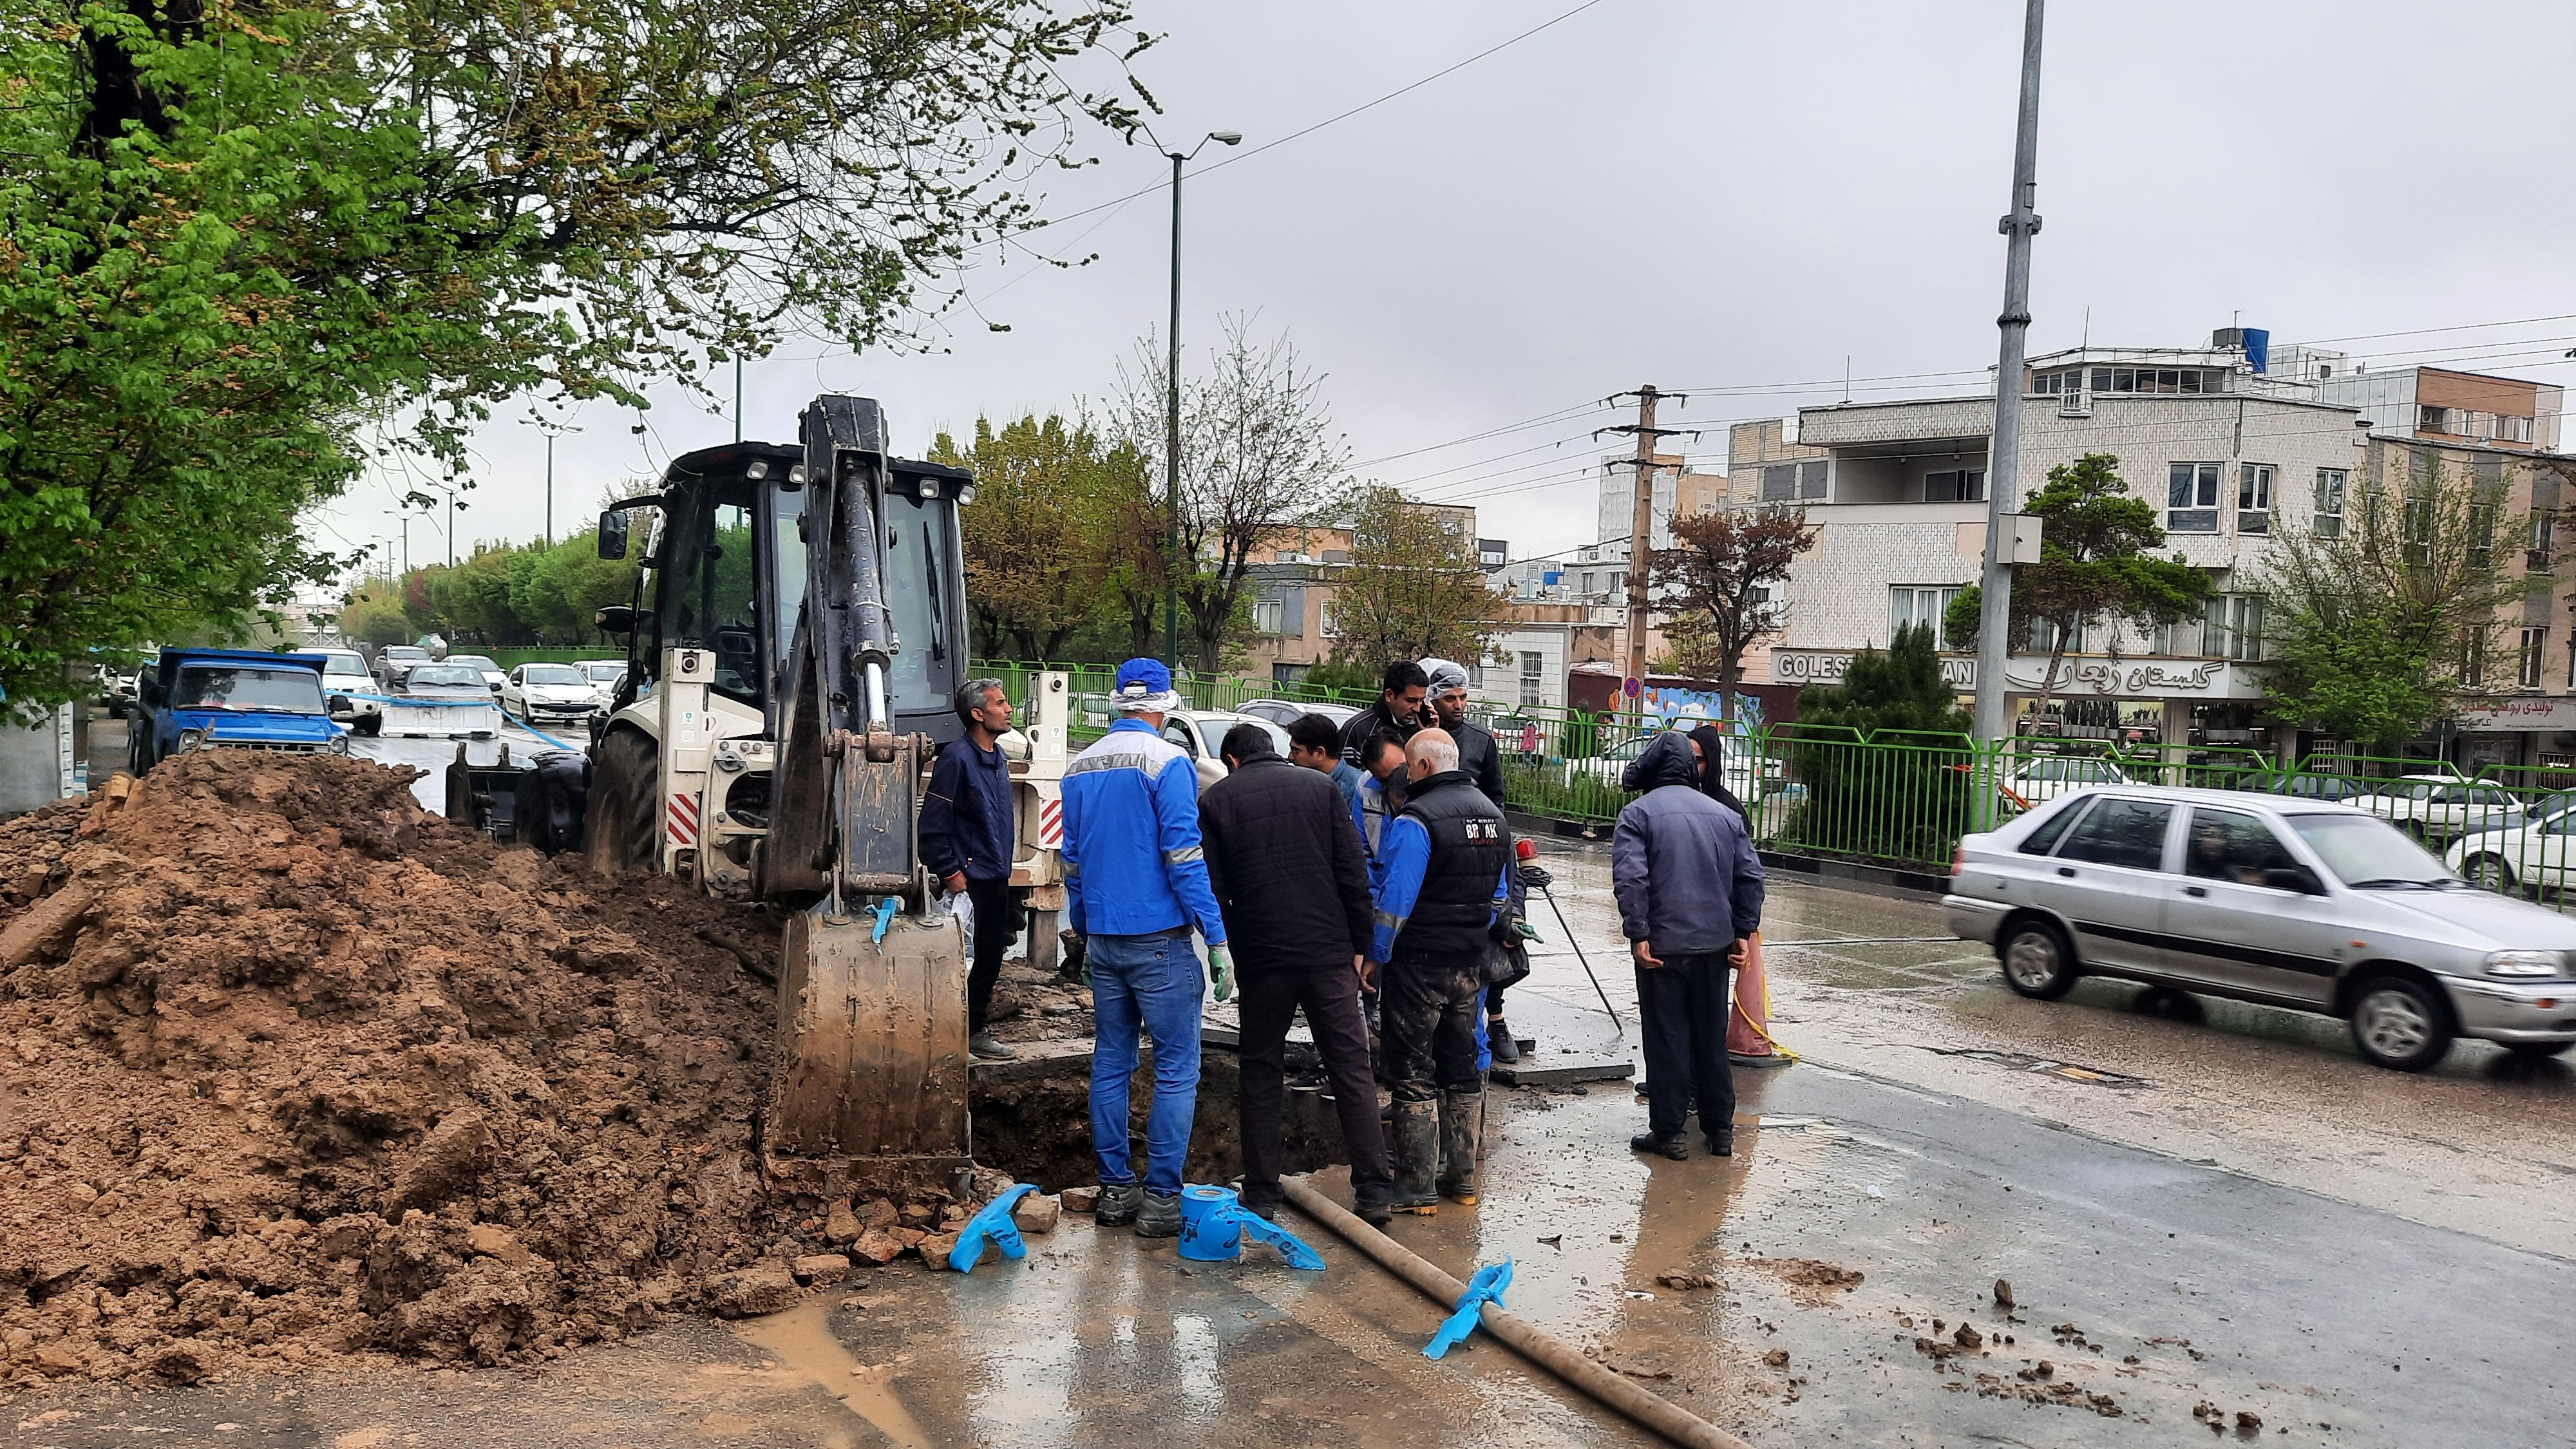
(2379, 631)
(2094, 565)
(1413, 589)
(239, 238)
(1718, 586)
(1038, 540)
(1884, 756)
(374, 615)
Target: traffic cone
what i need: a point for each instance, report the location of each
(1748, 1025)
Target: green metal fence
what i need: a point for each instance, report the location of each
(1903, 800)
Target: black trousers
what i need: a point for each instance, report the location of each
(1269, 1003)
(997, 921)
(1681, 1011)
(1427, 1028)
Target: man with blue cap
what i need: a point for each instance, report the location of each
(1136, 879)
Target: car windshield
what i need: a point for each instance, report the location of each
(405, 651)
(552, 674)
(286, 691)
(432, 676)
(343, 664)
(605, 671)
(2367, 853)
(474, 661)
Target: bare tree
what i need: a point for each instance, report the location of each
(1718, 585)
(1413, 589)
(1258, 455)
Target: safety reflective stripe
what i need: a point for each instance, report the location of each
(1184, 855)
(1391, 921)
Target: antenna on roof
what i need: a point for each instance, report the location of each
(2088, 330)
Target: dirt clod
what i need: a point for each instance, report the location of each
(750, 1292)
(1687, 1282)
(1080, 1199)
(1968, 1337)
(2004, 1294)
(1777, 1358)
(323, 1073)
(1809, 1282)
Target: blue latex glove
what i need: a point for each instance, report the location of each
(1486, 1287)
(885, 917)
(993, 1223)
(1291, 1247)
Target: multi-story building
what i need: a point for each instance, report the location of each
(2229, 454)
(1295, 569)
(1677, 489)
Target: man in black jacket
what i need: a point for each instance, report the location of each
(1398, 711)
(1481, 756)
(1292, 881)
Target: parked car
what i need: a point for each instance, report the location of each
(2436, 808)
(544, 694)
(2334, 789)
(2307, 905)
(1202, 733)
(604, 676)
(1610, 764)
(2040, 780)
(481, 664)
(2528, 857)
(355, 697)
(443, 700)
(195, 699)
(1286, 712)
(394, 660)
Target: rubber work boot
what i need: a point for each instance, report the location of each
(1416, 1150)
(1676, 1147)
(1118, 1204)
(1160, 1217)
(1498, 1035)
(989, 1047)
(1462, 1134)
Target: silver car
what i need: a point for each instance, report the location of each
(2289, 902)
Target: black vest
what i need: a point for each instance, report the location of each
(1468, 847)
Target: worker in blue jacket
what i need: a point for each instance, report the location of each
(1136, 879)
(1440, 888)
(968, 839)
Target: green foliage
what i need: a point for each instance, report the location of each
(233, 239)
(1413, 590)
(514, 595)
(1883, 757)
(374, 615)
(1340, 673)
(1041, 535)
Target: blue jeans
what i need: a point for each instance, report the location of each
(1153, 983)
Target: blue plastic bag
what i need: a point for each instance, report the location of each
(1486, 1287)
(993, 1224)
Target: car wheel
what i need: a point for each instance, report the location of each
(2400, 1024)
(2038, 962)
(2489, 872)
(370, 725)
(621, 829)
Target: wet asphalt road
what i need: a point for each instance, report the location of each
(2261, 1222)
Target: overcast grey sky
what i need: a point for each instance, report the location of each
(1727, 199)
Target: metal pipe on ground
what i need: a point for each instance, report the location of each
(1544, 1349)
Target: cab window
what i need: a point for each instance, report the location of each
(1179, 734)
(2232, 846)
(2120, 832)
(714, 602)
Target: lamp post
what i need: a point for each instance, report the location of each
(1172, 414)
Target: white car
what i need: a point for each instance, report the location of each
(483, 665)
(543, 694)
(1202, 733)
(1612, 763)
(604, 676)
(1286, 712)
(2038, 781)
(2442, 807)
(345, 673)
(2527, 857)
(442, 701)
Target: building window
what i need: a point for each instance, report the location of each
(2041, 637)
(2330, 485)
(2513, 430)
(1958, 485)
(1794, 482)
(2156, 379)
(1324, 619)
(2535, 645)
(1268, 615)
(2473, 657)
(2253, 498)
(2432, 420)
(2482, 522)
(2537, 560)
(2191, 497)
(1918, 606)
(1533, 673)
(2233, 628)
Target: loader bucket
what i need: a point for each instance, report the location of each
(871, 1080)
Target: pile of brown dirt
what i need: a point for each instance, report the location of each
(289, 1068)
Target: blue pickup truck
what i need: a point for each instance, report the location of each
(232, 698)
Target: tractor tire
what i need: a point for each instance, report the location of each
(622, 826)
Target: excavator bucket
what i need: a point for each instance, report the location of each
(871, 1079)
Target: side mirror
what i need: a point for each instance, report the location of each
(2294, 878)
(615, 618)
(149, 687)
(338, 707)
(612, 534)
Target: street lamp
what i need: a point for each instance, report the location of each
(1172, 413)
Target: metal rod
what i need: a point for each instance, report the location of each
(1587, 962)
(2003, 465)
(1540, 1347)
(1172, 445)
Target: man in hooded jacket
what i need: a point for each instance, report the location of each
(1689, 888)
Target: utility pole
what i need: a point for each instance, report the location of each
(2003, 465)
(1172, 446)
(1641, 532)
(550, 481)
(737, 398)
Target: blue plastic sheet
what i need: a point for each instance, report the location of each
(885, 917)
(1486, 1287)
(992, 1225)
